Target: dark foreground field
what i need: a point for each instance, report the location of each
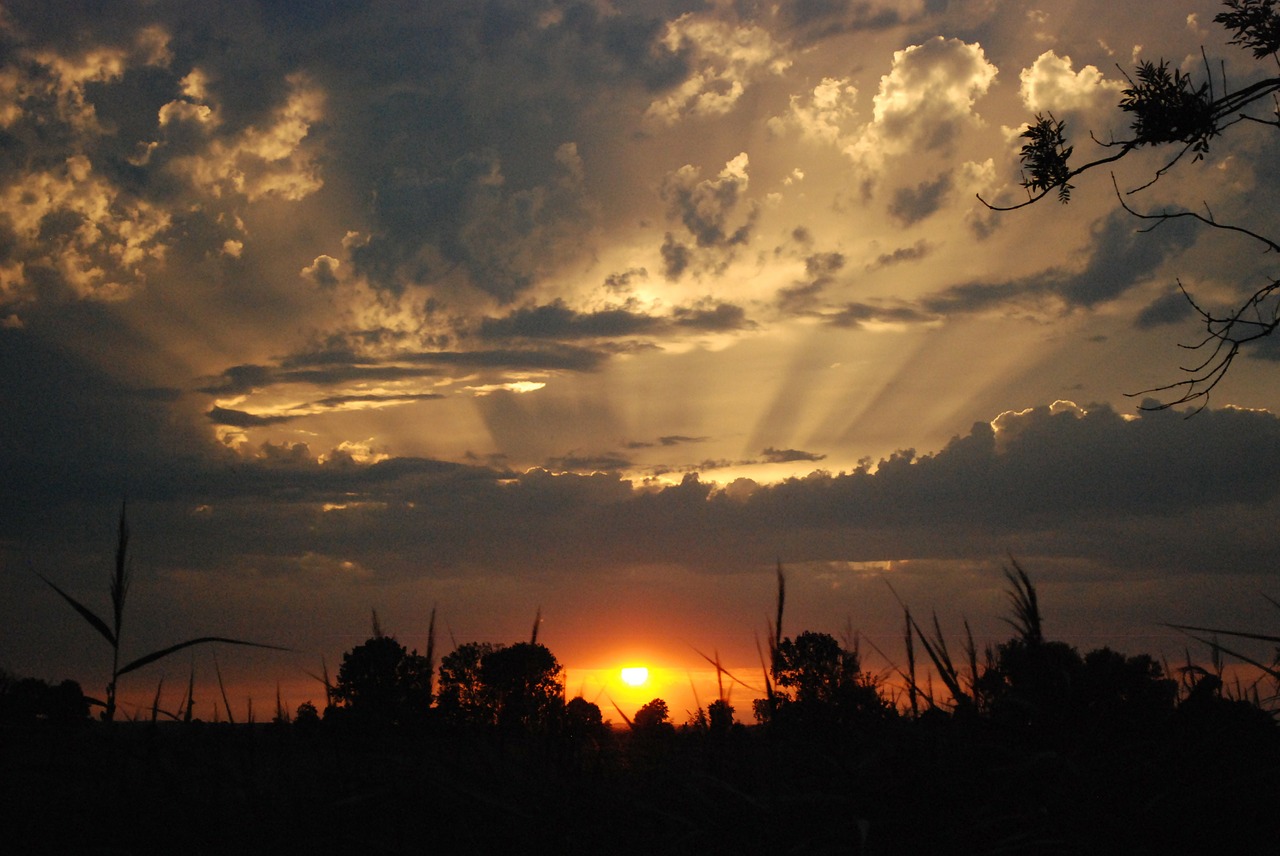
(1205, 779)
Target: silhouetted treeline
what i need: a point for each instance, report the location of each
(1027, 746)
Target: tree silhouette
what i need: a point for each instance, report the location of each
(525, 686)
(652, 719)
(719, 716)
(826, 683)
(582, 718)
(29, 700)
(379, 681)
(462, 696)
(1170, 110)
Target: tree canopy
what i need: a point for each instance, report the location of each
(379, 680)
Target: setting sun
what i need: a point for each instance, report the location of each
(635, 676)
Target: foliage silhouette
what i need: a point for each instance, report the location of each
(652, 719)
(380, 681)
(825, 683)
(1169, 110)
(526, 686)
(582, 718)
(463, 698)
(31, 700)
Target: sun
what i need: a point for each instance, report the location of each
(635, 676)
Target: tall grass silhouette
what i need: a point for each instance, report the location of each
(120, 580)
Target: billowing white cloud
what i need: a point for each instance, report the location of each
(925, 100)
(824, 114)
(1050, 85)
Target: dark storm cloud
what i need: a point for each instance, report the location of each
(1120, 258)
(675, 257)
(332, 369)
(248, 378)
(820, 269)
(558, 321)
(857, 314)
(621, 282)
(1091, 484)
(244, 419)
(551, 356)
(72, 432)
(457, 116)
(1172, 308)
(914, 253)
(713, 318)
(454, 123)
(813, 20)
(784, 456)
(678, 439)
(587, 463)
(339, 400)
(910, 205)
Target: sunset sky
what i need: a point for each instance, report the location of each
(606, 308)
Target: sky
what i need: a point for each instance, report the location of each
(604, 310)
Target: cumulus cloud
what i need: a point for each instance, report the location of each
(727, 59)
(825, 114)
(708, 209)
(257, 162)
(96, 240)
(1051, 85)
(925, 100)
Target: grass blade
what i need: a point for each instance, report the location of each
(165, 652)
(86, 613)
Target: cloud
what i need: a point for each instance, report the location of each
(75, 235)
(783, 456)
(274, 160)
(323, 271)
(711, 316)
(915, 252)
(813, 20)
(244, 419)
(925, 100)
(557, 321)
(678, 439)
(1172, 308)
(910, 205)
(820, 268)
(865, 315)
(726, 59)
(1050, 85)
(708, 210)
(588, 463)
(824, 115)
(1120, 257)
(705, 206)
